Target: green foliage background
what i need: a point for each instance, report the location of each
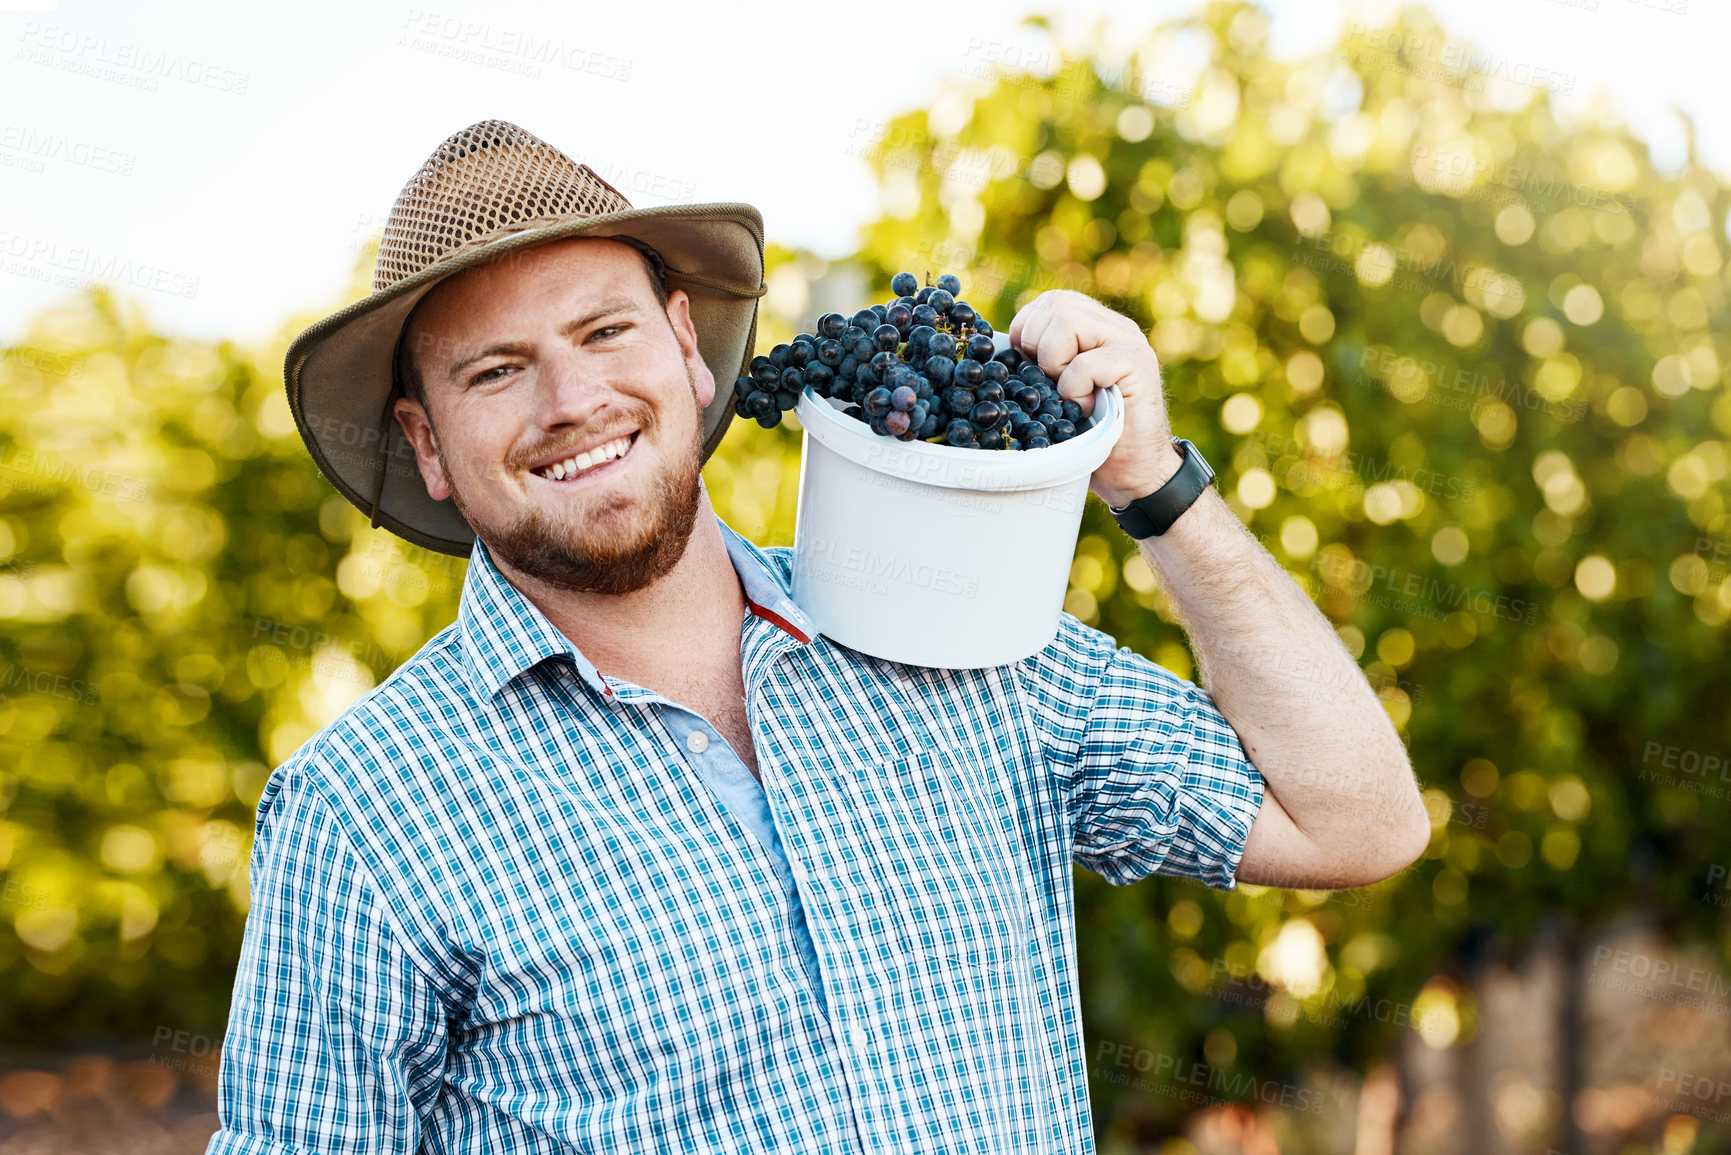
(1443, 348)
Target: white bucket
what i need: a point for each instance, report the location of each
(933, 555)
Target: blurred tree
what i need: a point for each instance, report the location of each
(1461, 364)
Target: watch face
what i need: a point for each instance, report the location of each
(1190, 451)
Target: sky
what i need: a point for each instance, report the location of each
(224, 163)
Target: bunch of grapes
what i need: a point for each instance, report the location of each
(921, 365)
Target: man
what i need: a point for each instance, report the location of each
(627, 858)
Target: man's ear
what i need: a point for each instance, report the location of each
(679, 317)
(418, 428)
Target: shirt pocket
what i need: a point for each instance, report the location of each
(960, 879)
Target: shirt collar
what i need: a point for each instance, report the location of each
(503, 633)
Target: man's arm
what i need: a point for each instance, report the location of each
(336, 1038)
(1341, 806)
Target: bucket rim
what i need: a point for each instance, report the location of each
(953, 467)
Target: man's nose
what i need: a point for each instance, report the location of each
(571, 390)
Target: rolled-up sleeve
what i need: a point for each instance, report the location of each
(336, 1039)
(1153, 777)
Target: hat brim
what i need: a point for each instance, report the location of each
(338, 372)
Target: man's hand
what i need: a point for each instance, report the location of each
(1086, 346)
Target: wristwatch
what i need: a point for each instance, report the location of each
(1153, 515)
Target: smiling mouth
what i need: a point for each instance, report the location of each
(584, 464)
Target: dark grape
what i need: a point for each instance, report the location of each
(761, 403)
(924, 314)
(990, 391)
(758, 364)
(950, 283)
(987, 415)
(923, 295)
(941, 301)
(919, 340)
(877, 402)
(903, 398)
(865, 320)
(970, 372)
(792, 380)
(943, 345)
(785, 400)
(1028, 398)
(1071, 412)
(979, 347)
(1062, 430)
(878, 311)
(930, 426)
(900, 316)
(800, 354)
(981, 325)
(866, 375)
(897, 422)
(958, 400)
(959, 432)
(819, 376)
(863, 347)
(878, 427)
(848, 367)
(851, 334)
(886, 337)
(830, 351)
(962, 314)
(1012, 443)
(1048, 420)
(769, 420)
(831, 325)
(940, 370)
(855, 412)
(742, 405)
(778, 357)
(881, 362)
(1051, 407)
(1011, 358)
(908, 301)
(903, 284)
(996, 372)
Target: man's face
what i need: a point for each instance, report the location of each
(555, 353)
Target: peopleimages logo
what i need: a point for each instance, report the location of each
(878, 567)
(1352, 574)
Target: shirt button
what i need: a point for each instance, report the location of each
(697, 742)
(856, 1037)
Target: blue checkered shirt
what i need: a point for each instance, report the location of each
(506, 903)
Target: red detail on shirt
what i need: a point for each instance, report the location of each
(772, 616)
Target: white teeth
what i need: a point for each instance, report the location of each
(594, 457)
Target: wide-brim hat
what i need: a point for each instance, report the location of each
(486, 192)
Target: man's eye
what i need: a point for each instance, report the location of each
(486, 374)
(606, 330)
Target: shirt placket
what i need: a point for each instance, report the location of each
(762, 645)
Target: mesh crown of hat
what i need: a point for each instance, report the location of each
(491, 177)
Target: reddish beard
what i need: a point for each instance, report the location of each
(618, 562)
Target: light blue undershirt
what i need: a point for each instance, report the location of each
(734, 785)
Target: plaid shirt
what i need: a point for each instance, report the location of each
(506, 903)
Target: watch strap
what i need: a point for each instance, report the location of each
(1154, 514)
